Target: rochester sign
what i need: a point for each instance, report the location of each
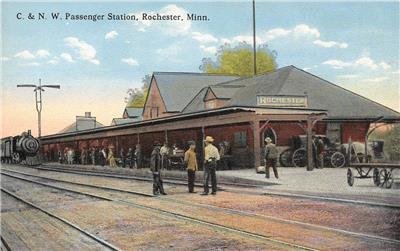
(284, 101)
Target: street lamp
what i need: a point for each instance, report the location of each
(38, 96)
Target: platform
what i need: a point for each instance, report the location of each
(319, 182)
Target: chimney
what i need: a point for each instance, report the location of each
(88, 115)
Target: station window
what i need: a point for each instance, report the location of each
(240, 139)
(333, 132)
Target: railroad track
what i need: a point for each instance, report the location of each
(233, 187)
(228, 210)
(190, 219)
(70, 224)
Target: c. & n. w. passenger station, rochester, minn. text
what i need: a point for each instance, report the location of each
(112, 17)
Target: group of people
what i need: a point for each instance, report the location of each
(102, 157)
(211, 156)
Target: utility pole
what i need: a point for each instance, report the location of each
(254, 39)
(38, 97)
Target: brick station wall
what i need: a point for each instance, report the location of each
(355, 130)
(242, 155)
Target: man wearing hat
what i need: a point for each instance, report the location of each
(155, 167)
(271, 157)
(191, 164)
(211, 156)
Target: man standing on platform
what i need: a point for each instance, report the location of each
(211, 156)
(130, 157)
(164, 151)
(271, 157)
(191, 163)
(155, 167)
(122, 157)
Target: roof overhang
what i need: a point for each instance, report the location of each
(206, 113)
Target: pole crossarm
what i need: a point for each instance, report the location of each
(38, 98)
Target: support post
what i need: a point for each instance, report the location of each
(203, 136)
(256, 143)
(310, 160)
(166, 136)
(138, 138)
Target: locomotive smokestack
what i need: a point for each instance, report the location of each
(88, 114)
(29, 132)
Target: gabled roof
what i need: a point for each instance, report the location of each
(221, 91)
(133, 112)
(121, 121)
(225, 91)
(178, 89)
(322, 94)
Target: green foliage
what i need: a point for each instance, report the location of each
(239, 60)
(137, 96)
(392, 141)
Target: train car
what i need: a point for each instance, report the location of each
(23, 148)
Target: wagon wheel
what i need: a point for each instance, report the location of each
(350, 177)
(338, 159)
(286, 158)
(300, 157)
(382, 177)
(375, 176)
(389, 179)
(16, 158)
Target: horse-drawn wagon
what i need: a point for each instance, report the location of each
(296, 155)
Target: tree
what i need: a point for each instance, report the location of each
(137, 96)
(238, 60)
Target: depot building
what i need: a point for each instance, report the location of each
(238, 112)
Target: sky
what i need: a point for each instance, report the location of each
(354, 45)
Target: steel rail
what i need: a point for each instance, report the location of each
(97, 239)
(235, 211)
(82, 184)
(4, 244)
(184, 182)
(177, 215)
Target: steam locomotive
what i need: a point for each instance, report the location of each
(23, 149)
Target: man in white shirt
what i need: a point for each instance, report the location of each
(211, 156)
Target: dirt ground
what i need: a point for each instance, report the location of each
(135, 228)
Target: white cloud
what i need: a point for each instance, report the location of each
(42, 53)
(225, 41)
(366, 62)
(375, 80)
(209, 49)
(127, 42)
(4, 59)
(307, 68)
(130, 61)
(25, 54)
(337, 64)
(305, 30)
(363, 61)
(329, 44)
(384, 65)
(86, 51)
(67, 57)
(172, 27)
(33, 64)
(204, 38)
(111, 35)
(246, 39)
(276, 33)
(52, 61)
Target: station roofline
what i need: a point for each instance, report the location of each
(184, 116)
